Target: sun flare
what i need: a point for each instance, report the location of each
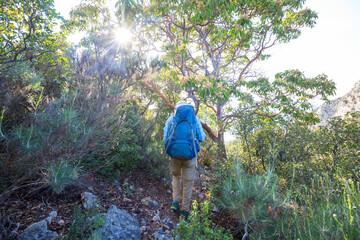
(123, 35)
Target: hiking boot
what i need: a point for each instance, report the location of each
(175, 206)
(184, 214)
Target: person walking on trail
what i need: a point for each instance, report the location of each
(182, 134)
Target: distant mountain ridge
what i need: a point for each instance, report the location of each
(350, 102)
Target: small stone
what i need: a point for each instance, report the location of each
(168, 223)
(146, 201)
(127, 200)
(165, 181)
(169, 191)
(159, 234)
(143, 222)
(89, 200)
(61, 222)
(150, 203)
(215, 209)
(201, 196)
(156, 218)
(143, 229)
(52, 215)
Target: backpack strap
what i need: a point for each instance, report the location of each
(193, 138)
(172, 134)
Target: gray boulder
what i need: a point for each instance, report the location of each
(119, 225)
(38, 231)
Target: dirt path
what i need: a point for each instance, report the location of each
(28, 206)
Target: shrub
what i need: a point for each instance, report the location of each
(327, 213)
(254, 199)
(60, 175)
(199, 225)
(248, 197)
(77, 127)
(85, 224)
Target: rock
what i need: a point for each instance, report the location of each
(143, 229)
(126, 199)
(53, 215)
(152, 204)
(89, 200)
(169, 191)
(201, 196)
(143, 222)
(38, 231)
(156, 217)
(215, 209)
(340, 106)
(165, 182)
(117, 184)
(168, 223)
(119, 225)
(159, 235)
(61, 222)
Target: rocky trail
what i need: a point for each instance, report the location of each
(143, 197)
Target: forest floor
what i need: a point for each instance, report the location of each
(29, 205)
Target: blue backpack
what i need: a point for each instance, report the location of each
(182, 143)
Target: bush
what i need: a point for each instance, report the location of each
(249, 197)
(60, 175)
(199, 225)
(253, 199)
(85, 224)
(78, 127)
(327, 213)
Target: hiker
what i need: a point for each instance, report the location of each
(182, 134)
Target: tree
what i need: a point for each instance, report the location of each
(338, 151)
(211, 46)
(27, 30)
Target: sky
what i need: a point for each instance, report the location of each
(332, 47)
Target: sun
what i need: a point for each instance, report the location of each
(123, 35)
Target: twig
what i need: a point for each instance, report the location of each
(246, 231)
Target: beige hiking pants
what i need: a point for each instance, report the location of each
(185, 169)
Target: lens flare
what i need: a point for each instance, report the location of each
(123, 35)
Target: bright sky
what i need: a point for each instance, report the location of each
(331, 47)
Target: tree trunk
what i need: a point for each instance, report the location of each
(222, 155)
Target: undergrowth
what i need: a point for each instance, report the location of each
(85, 224)
(199, 224)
